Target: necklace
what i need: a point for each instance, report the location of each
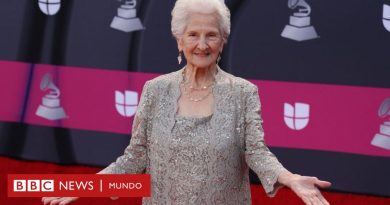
(187, 92)
(188, 95)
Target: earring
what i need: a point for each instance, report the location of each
(179, 58)
(219, 58)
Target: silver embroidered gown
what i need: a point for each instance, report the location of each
(199, 160)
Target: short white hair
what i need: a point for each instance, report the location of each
(184, 8)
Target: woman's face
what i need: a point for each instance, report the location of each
(202, 41)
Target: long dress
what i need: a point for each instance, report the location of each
(199, 160)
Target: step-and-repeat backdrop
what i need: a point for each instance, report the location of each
(71, 74)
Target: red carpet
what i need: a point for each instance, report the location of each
(284, 196)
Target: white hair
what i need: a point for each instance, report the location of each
(184, 8)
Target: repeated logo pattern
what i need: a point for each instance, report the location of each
(386, 17)
(296, 117)
(49, 7)
(126, 103)
(382, 139)
(299, 28)
(51, 107)
(126, 19)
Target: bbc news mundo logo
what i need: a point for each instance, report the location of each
(82, 185)
(33, 185)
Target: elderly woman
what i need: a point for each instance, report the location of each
(198, 130)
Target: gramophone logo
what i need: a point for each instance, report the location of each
(296, 117)
(382, 139)
(49, 7)
(126, 19)
(126, 103)
(299, 28)
(386, 17)
(51, 107)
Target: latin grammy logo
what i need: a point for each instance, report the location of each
(382, 139)
(127, 20)
(386, 17)
(49, 7)
(50, 108)
(299, 28)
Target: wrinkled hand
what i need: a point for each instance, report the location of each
(58, 200)
(307, 189)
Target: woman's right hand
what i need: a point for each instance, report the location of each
(58, 200)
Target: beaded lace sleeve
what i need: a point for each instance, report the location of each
(257, 154)
(135, 159)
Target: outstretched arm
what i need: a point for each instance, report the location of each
(134, 159)
(270, 172)
(257, 155)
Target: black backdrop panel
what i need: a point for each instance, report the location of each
(352, 48)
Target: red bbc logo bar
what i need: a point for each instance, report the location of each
(81, 185)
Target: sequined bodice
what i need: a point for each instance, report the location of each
(199, 160)
(194, 167)
(190, 160)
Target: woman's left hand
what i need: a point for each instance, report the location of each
(307, 188)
